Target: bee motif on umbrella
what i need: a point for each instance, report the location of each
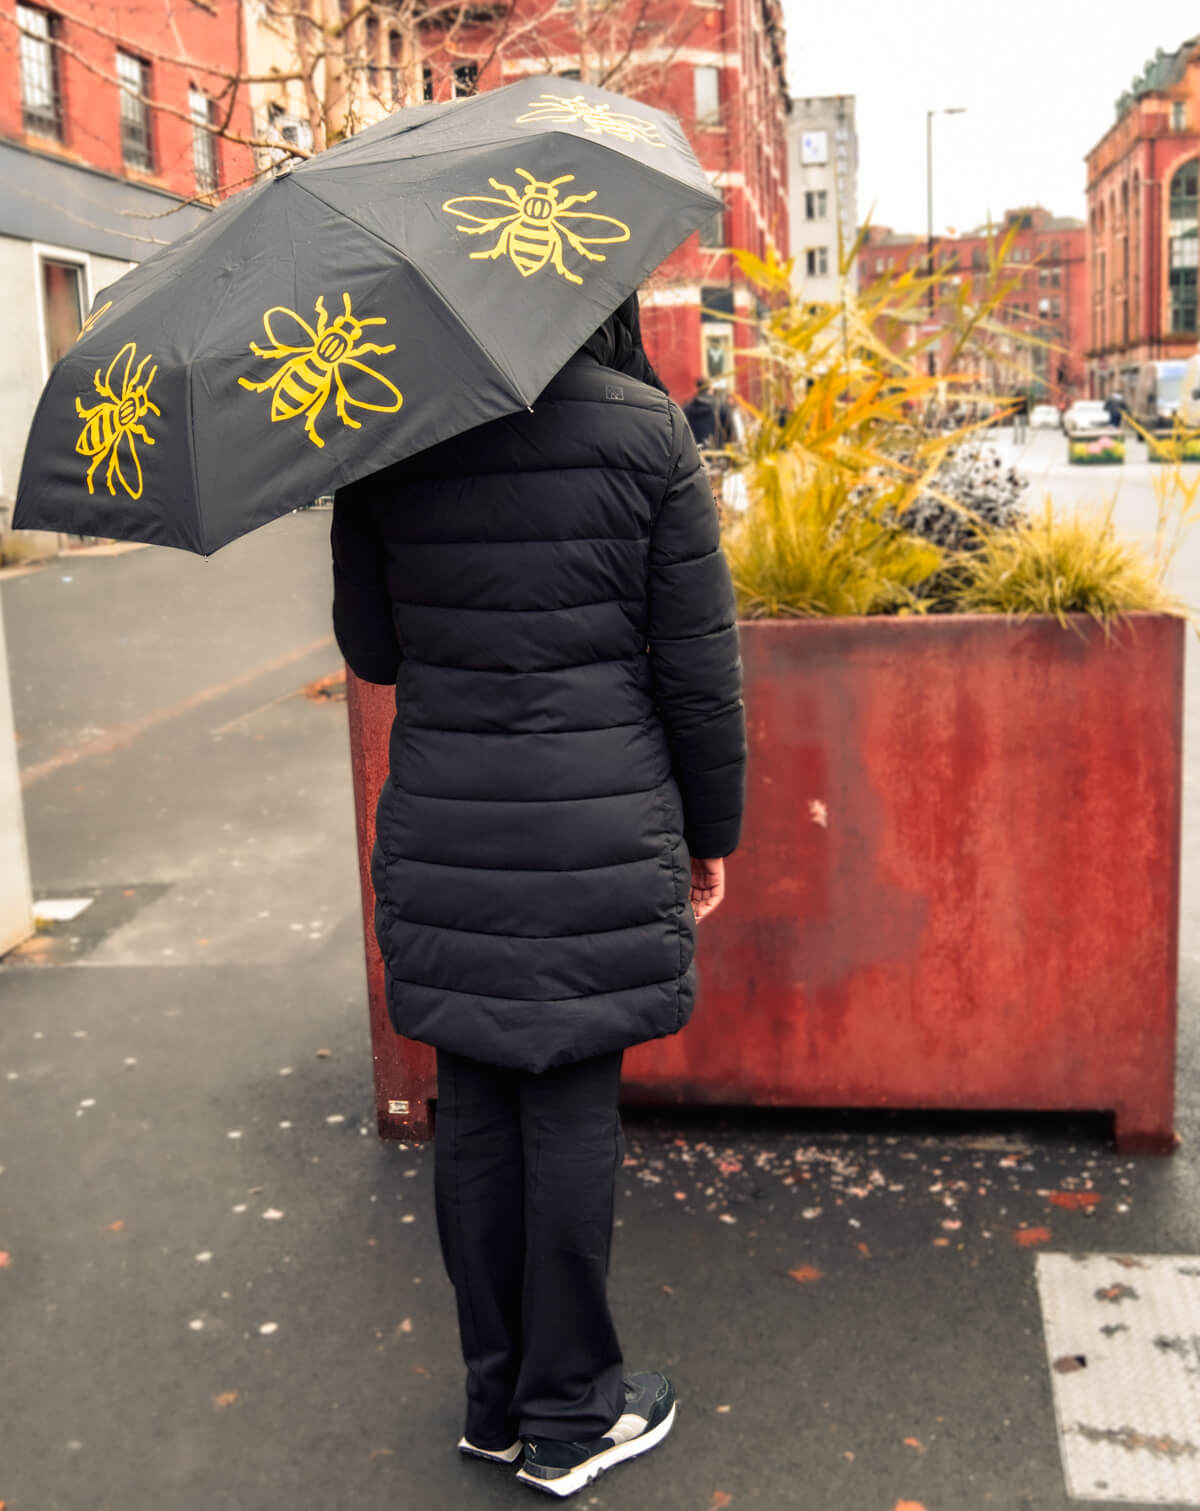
(535, 224)
(316, 363)
(594, 117)
(92, 318)
(113, 427)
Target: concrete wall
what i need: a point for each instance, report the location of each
(16, 902)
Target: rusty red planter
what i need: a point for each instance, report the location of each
(958, 885)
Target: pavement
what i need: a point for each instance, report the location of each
(219, 1291)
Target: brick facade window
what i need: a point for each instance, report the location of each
(707, 85)
(466, 78)
(41, 101)
(136, 146)
(1184, 245)
(712, 232)
(395, 59)
(204, 143)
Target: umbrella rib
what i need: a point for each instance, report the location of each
(500, 367)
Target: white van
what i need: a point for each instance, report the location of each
(1157, 394)
(1189, 397)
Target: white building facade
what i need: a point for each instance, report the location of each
(822, 192)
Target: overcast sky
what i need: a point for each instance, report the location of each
(1039, 83)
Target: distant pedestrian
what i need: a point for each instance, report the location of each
(1020, 420)
(567, 764)
(711, 416)
(1115, 408)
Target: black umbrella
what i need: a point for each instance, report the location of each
(416, 280)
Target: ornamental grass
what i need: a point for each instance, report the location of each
(865, 498)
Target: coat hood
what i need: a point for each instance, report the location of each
(618, 344)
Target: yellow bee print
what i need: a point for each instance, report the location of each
(594, 117)
(316, 363)
(92, 318)
(535, 224)
(113, 427)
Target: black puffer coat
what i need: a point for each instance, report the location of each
(548, 594)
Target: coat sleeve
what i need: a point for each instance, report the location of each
(362, 605)
(694, 654)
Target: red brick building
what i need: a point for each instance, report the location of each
(1143, 195)
(718, 65)
(103, 143)
(125, 90)
(1050, 299)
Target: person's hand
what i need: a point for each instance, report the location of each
(708, 886)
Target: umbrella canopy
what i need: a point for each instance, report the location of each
(416, 280)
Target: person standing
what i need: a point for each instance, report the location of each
(566, 779)
(711, 417)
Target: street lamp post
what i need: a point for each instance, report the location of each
(929, 115)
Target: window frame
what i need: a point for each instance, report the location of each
(1183, 248)
(50, 123)
(708, 118)
(466, 66)
(816, 262)
(714, 226)
(816, 204)
(143, 160)
(204, 143)
(44, 252)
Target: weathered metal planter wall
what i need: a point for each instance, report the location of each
(958, 884)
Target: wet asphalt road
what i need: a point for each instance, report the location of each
(218, 1289)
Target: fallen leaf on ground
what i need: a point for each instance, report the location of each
(324, 1054)
(226, 1398)
(729, 1166)
(915, 1443)
(1076, 1201)
(909, 1506)
(1027, 1237)
(115, 1227)
(805, 1272)
(405, 1326)
(941, 1243)
(668, 1290)
(419, 1369)
(864, 1250)
(380, 1453)
(724, 1409)
(5, 1259)
(719, 1500)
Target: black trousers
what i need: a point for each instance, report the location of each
(525, 1170)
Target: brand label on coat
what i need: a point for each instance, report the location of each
(611, 391)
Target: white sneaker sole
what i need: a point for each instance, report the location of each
(496, 1455)
(568, 1484)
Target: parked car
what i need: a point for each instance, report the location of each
(1086, 414)
(1044, 417)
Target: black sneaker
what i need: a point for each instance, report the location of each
(564, 1468)
(508, 1455)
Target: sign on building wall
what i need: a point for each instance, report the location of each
(814, 147)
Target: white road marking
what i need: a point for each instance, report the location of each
(1123, 1345)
